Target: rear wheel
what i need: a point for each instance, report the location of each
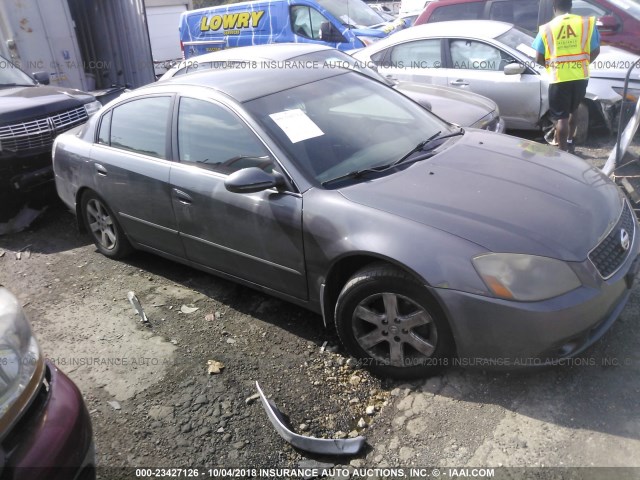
(389, 322)
(105, 230)
(582, 126)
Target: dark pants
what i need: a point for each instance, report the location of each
(565, 97)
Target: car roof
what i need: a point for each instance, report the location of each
(244, 84)
(270, 51)
(252, 53)
(454, 28)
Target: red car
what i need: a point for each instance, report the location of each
(618, 20)
(45, 429)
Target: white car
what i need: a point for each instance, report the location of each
(496, 60)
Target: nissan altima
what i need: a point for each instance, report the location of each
(452, 104)
(419, 241)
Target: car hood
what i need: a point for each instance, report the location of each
(18, 104)
(452, 104)
(503, 193)
(613, 63)
(380, 30)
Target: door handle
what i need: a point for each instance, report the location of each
(182, 197)
(100, 170)
(459, 82)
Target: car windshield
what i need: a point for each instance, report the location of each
(11, 75)
(343, 124)
(341, 60)
(518, 40)
(354, 13)
(629, 6)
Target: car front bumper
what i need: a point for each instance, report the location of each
(491, 332)
(53, 440)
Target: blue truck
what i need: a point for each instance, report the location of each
(342, 24)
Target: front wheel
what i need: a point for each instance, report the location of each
(582, 127)
(105, 230)
(391, 325)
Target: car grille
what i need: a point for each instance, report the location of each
(39, 134)
(609, 255)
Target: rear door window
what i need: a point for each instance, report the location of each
(525, 14)
(587, 9)
(141, 126)
(419, 54)
(462, 11)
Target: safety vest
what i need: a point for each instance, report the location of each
(567, 44)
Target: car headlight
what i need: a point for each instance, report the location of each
(21, 362)
(490, 122)
(525, 277)
(632, 93)
(92, 107)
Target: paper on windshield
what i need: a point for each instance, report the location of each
(296, 125)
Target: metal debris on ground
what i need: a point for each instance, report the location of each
(138, 307)
(321, 446)
(324, 345)
(187, 309)
(215, 367)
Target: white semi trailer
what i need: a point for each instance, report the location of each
(84, 44)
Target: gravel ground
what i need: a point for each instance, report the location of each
(153, 403)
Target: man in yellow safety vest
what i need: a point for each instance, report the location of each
(565, 46)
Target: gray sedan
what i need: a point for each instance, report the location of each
(420, 242)
(462, 108)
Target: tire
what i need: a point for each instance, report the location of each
(389, 298)
(549, 131)
(101, 223)
(582, 126)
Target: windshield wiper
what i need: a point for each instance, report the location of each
(236, 158)
(2, 85)
(356, 174)
(424, 144)
(388, 166)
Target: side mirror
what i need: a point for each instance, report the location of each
(607, 24)
(42, 77)
(329, 33)
(514, 68)
(252, 180)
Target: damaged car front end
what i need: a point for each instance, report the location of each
(32, 114)
(606, 85)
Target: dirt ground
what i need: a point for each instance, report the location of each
(153, 404)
